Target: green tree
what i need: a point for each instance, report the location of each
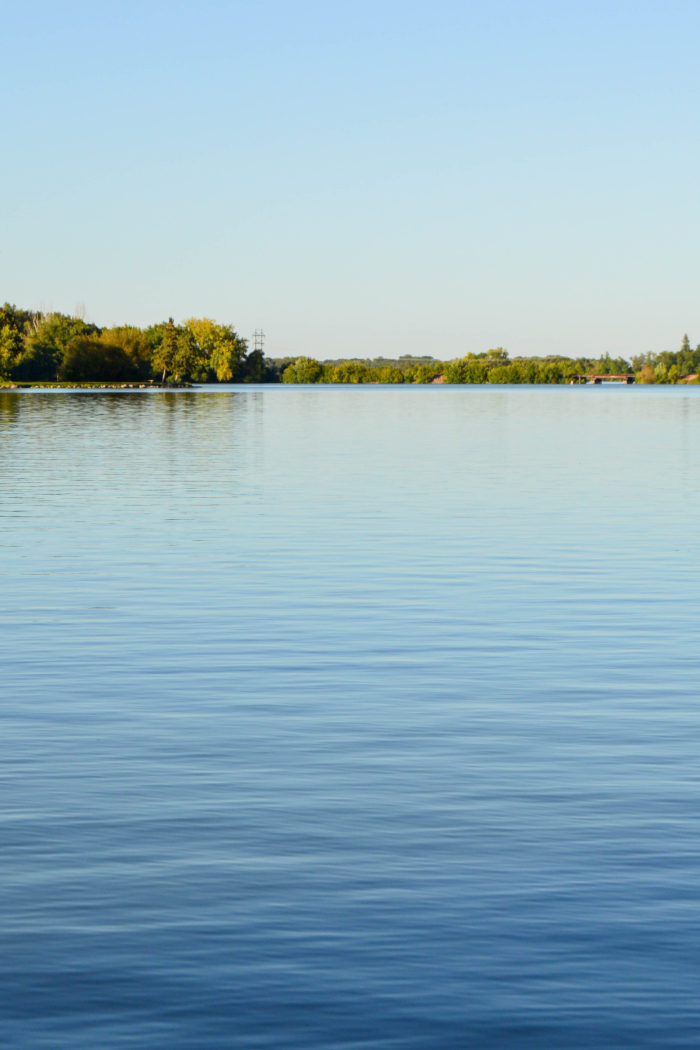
(135, 345)
(509, 373)
(14, 327)
(47, 344)
(387, 374)
(164, 353)
(188, 362)
(254, 367)
(91, 358)
(350, 372)
(497, 356)
(469, 369)
(176, 356)
(303, 370)
(11, 346)
(222, 350)
(425, 373)
(608, 365)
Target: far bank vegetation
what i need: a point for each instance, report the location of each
(495, 366)
(40, 347)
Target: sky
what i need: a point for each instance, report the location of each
(358, 179)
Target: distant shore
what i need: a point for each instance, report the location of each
(151, 384)
(60, 351)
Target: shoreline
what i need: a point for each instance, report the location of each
(97, 385)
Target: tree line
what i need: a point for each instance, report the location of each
(49, 347)
(38, 347)
(495, 366)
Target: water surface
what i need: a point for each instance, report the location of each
(350, 718)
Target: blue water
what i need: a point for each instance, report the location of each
(350, 718)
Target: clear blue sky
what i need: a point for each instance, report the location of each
(359, 178)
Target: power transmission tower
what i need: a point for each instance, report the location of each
(258, 340)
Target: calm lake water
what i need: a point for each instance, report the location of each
(350, 718)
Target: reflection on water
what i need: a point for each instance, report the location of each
(341, 718)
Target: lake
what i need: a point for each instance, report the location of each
(354, 718)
